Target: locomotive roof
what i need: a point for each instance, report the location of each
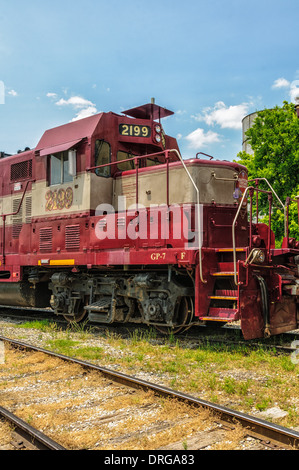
(66, 136)
(148, 111)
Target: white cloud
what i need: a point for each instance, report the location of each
(51, 95)
(85, 112)
(83, 107)
(12, 93)
(199, 138)
(76, 101)
(227, 117)
(292, 87)
(180, 112)
(281, 83)
(294, 91)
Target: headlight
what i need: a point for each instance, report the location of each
(258, 256)
(158, 138)
(158, 128)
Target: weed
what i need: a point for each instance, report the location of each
(229, 385)
(185, 445)
(244, 387)
(263, 404)
(63, 345)
(43, 325)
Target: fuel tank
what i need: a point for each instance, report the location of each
(24, 294)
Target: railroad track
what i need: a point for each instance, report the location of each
(123, 397)
(23, 436)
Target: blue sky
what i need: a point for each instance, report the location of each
(210, 61)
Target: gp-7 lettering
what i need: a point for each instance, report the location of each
(158, 256)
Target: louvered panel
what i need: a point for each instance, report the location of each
(45, 240)
(16, 230)
(15, 205)
(72, 237)
(28, 209)
(17, 220)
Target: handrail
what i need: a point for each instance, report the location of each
(136, 157)
(252, 189)
(12, 214)
(283, 206)
(198, 217)
(285, 210)
(166, 153)
(201, 153)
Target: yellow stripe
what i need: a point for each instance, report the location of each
(219, 297)
(223, 274)
(230, 249)
(226, 320)
(57, 262)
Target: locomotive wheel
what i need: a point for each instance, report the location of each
(79, 315)
(183, 316)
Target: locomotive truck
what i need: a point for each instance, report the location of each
(105, 221)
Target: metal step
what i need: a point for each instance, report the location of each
(223, 273)
(221, 314)
(224, 294)
(99, 306)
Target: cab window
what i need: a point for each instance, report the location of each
(152, 161)
(126, 165)
(59, 164)
(102, 157)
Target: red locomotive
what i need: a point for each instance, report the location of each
(104, 220)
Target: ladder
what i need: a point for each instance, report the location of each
(224, 299)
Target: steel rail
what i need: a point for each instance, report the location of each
(34, 436)
(274, 432)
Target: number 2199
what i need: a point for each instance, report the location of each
(134, 130)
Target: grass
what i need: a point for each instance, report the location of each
(234, 376)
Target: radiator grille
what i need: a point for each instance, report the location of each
(72, 237)
(21, 170)
(45, 240)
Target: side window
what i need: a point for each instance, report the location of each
(126, 165)
(102, 157)
(59, 168)
(152, 162)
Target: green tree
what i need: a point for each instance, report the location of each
(274, 139)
